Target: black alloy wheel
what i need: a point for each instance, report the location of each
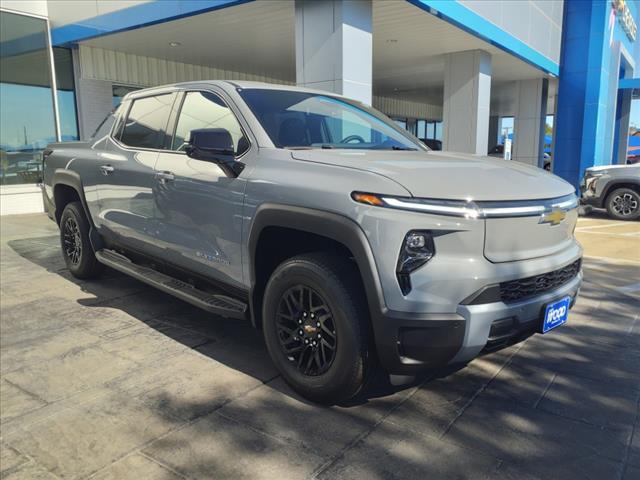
(306, 330)
(77, 250)
(316, 328)
(72, 240)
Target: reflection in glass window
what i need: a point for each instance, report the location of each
(27, 122)
(401, 122)
(301, 119)
(147, 121)
(207, 110)
(119, 91)
(421, 129)
(66, 94)
(438, 131)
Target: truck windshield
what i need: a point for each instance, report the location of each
(310, 120)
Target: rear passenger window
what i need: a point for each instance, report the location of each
(147, 121)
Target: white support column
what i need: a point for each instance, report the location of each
(529, 122)
(467, 96)
(624, 117)
(334, 47)
(94, 98)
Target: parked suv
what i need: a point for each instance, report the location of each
(341, 236)
(614, 187)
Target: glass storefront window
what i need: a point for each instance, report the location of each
(67, 112)
(401, 122)
(429, 130)
(438, 131)
(27, 120)
(633, 146)
(505, 130)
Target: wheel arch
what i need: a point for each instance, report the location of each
(304, 224)
(632, 183)
(67, 187)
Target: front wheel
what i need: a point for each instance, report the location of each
(74, 239)
(623, 204)
(315, 328)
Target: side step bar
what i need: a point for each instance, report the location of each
(211, 302)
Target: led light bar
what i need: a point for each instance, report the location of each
(469, 209)
(432, 207)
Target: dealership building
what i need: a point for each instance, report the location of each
(555, 79)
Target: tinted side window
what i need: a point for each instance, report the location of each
(147, 121)
(207, 110)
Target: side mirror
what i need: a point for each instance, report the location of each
(214, 145)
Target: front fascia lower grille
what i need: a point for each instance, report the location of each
(523, 288)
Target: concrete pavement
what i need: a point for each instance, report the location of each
(111, 379)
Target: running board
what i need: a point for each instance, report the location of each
(211, 302)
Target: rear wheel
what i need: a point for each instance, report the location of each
(74, 239)
(623, 204)
(315, 326)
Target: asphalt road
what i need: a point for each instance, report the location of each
(111, 379)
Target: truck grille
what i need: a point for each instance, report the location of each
(515, 290)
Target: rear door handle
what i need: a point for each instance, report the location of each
(107, 169)
(164, 177)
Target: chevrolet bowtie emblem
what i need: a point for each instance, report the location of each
(553, 218)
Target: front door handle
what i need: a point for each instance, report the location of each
(107, 169)
(164, 177)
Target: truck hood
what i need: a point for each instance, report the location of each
(448, 175)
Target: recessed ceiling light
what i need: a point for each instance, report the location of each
(174, 44)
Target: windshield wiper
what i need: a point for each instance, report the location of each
(309, 147)
(396, 147)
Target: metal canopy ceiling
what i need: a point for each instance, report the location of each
(259, 38)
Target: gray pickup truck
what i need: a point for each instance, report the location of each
(614, 187)
(349, 243)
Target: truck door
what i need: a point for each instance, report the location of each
(198, 207)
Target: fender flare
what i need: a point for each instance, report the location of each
(72, 179)
(326, 224)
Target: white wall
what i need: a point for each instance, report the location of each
(130, 69)
(16, 199)
(397, 107)
(33, 7)
(538, 23)
(95, 101)
(98, 69)
(62, 12)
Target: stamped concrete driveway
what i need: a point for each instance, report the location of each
(111, 379)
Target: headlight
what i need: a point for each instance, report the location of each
(417, 249)
(590, 183)
(591, 178)
(456, 208)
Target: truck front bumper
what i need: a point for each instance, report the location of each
(409, 343)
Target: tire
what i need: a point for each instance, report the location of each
(77, 251)
(623, 204)
(335, 369)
